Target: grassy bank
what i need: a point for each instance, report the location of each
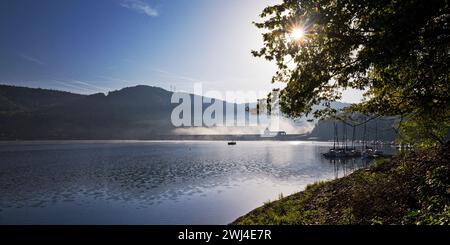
(411, 188)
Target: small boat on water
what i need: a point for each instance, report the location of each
(354, 153)
(372, 153)
(232, 143)
(333, 153)
(342, 153)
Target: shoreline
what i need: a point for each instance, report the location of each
(411, 188)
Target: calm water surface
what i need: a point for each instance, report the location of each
(176, 182)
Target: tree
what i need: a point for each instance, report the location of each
(397, 51)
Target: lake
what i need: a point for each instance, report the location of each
(154, 182)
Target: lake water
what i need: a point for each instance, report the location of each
(174, 182)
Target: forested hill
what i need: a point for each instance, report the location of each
(140, 112)
(129, 113)
(20, 99)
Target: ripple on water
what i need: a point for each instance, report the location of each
(142, 175)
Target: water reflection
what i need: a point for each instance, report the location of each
(345, 166)
(154, 182)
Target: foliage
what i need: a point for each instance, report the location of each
(398, 51)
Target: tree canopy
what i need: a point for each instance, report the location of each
(397, 51)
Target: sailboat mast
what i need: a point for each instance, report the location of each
(337, 135)
(344, 136)
(353, 137)
(334, 134)
(376, 135)
(364, 136)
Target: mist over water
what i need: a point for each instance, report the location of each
(166, 182)
(290, 126)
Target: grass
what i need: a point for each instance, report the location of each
(411, 188)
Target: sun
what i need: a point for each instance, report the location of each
(297, 34)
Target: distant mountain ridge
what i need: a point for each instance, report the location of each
(140, 112)
(13, 98)
(129, 113)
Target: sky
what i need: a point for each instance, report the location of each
(87, 46)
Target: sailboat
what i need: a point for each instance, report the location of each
(344, 151)
(371, 151)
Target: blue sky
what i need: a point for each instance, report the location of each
(89, 46)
